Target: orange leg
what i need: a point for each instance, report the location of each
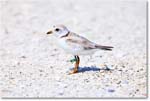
(75, 70)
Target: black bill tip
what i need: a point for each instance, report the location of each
(49, 32)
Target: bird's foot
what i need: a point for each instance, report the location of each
(73, 72)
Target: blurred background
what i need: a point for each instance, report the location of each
(33, 66)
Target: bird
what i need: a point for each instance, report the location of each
(75, 44)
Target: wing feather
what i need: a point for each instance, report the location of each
(79, 42)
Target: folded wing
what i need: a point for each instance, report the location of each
(80, 43)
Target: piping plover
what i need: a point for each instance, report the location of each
(75, 44)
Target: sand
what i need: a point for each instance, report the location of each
(33, 66)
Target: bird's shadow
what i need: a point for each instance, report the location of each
(91, 68)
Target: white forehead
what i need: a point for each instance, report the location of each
(60, 27)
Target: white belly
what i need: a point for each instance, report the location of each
(72, 50)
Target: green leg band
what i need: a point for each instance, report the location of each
(73, 60)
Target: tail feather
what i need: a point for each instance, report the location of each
(109, 48)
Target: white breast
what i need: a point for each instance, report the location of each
(62, 43)
(69, 49)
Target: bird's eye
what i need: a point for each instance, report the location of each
(57, 29)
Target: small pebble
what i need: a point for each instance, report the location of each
(23, 56)
(119, 82)
(60, 93)
(111, 90)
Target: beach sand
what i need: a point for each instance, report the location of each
(33, 66)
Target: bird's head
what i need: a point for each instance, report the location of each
(58, 31)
